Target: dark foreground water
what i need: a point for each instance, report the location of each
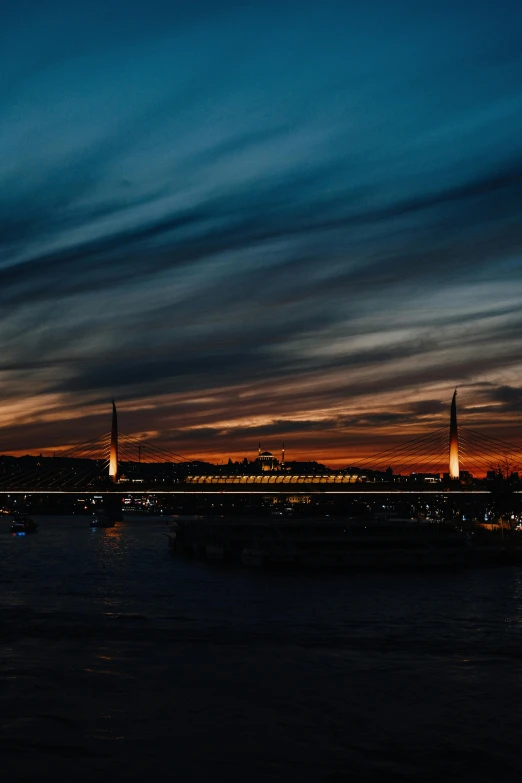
(120, 662)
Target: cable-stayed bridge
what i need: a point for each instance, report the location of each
(447, 459)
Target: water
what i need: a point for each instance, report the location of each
(120, 662)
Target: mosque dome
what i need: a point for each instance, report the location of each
(267, 461)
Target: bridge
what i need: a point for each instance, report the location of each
(449, 459)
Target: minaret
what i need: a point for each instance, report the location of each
(259, 450)
(113, 457)
(283, 456)
(454, 440)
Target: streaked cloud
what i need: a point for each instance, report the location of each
(259, 222)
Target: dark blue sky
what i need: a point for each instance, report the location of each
(255, 221)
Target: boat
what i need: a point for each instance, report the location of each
(101, 520)
(22, 525)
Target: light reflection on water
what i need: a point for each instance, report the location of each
(119, 657)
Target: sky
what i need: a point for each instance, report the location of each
(259, 221)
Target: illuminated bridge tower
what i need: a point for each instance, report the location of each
(454, 471)
(113, 455)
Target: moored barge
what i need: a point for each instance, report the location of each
(325, 543)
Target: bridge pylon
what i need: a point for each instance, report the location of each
(113, 454)
(454, 469)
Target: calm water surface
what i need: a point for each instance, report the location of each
(120, 662)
